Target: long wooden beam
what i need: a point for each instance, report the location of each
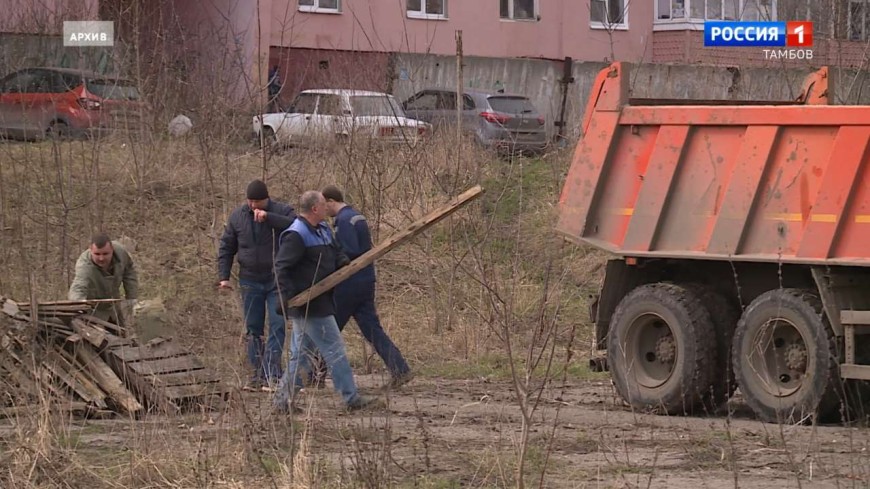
(385, 246)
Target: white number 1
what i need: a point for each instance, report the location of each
(799, 30)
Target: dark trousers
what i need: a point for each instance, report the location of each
(259, 300)
(357, 301)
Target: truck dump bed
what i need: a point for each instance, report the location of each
(710, 180)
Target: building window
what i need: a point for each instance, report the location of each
(320, 6)
(701, 10)
(427, 9)
(858, 20)
(608, 13)
(519, 9)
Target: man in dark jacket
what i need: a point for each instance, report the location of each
(251, 236)
(355, 297)
(307, 255)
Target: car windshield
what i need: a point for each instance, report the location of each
(113, 89)
(512, 105)
(375, 105)
(304, 103)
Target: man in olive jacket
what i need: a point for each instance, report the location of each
(251, 237)
(100, 272)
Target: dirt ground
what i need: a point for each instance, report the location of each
(463, 433)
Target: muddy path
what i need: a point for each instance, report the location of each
(465, 433)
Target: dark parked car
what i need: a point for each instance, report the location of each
(506, 122)
(38, 102)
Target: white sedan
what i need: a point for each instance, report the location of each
(324, 116)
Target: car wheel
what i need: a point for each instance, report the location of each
(269, 136)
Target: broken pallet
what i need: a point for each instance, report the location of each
(164, 375)
(83, 359)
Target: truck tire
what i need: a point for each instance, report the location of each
(725, 316)
(659, 349)
(785, 357)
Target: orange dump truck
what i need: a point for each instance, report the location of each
(741, 241)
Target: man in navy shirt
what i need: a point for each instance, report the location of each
(355, 297)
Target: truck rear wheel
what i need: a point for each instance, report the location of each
(659, 349)
(724, 316)
(785, 358)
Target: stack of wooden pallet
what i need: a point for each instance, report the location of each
(67, 359)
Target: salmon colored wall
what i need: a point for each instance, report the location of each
(382, 25)
(44, 16)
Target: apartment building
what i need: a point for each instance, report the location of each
(356, 42)
(351, 41)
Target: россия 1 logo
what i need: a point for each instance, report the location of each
(794, 38)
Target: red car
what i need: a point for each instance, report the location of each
(40, 102)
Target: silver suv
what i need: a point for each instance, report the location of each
(508, 123)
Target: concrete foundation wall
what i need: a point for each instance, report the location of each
(539, 80)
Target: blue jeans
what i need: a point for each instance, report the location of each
(313, 335)
(258, 300)
(358, 301)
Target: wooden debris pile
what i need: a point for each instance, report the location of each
(64, 356)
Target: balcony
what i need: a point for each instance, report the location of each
(681, 15)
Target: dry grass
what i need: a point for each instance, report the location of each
(489, 307)
(172, 197)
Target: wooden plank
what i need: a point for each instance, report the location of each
(107, 380)
(139, 353)
(184, 375)
(58, 330)
(382, 248)
(17, 374)
(201, 376)
(166, 365)
(855, 317)
(108, 326)
(65, 407)
(87, 302)
(43, 309)
(46, 380)
(77, 372)
(188, 391)
(143, 390)
(117, 341)
(851, 371)
(62, 369)
(33, 300)
(91, 333)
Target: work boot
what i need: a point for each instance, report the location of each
(362, 402)
(255, 360)
(397, 381)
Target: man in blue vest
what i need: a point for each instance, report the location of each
(308, 254)
(355, 297)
